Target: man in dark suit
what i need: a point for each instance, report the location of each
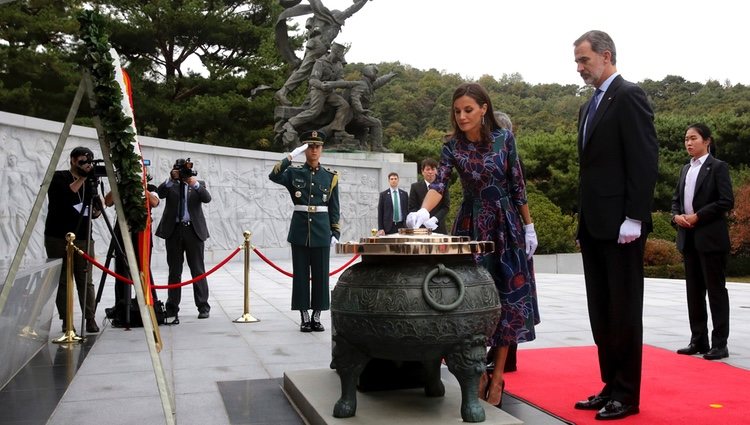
(418, 191)
(184, 229)
(618, 162)
(390, 216)
(700, 205)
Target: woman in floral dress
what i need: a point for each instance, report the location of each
(494, 208)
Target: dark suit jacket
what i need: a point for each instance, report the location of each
(385, 210)
(618, 161)
(195, 199)
(417, 192)
(712, 200)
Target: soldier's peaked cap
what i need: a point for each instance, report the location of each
(313, 137)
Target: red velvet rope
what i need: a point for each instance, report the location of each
(286, 273)
(345, 265)
(172, 285)
(270, 263)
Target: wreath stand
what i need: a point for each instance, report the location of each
(150, 327)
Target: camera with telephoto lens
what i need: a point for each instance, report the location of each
(185, 167)
(98, 169)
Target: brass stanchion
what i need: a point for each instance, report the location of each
(69, 336)
(246, 317)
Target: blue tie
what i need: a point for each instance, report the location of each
(590, 113)
(183, 202)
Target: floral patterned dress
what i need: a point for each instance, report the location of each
(493, 188)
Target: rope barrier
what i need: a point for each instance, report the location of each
(354, 258)
(286, 273)
(204, 275)
(270, 263)
(170, 286)
(216, 267)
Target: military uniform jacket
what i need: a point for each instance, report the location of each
(312, 187)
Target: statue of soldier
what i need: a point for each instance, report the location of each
(328, 69)
(361, 96)
(322, 28)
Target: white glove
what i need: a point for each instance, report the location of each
(415, 220)
(630, 230)
(431, 223)
(530, 238)
(334, 241)
(296, 152)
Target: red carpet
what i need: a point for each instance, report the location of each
(676, 389)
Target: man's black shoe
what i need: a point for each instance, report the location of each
(317, 326)
(717, 353)
(305, 327)
(693, 349)
(203, 315)
(91, 326)
(615, 410)
(595, 402)
(176, 320)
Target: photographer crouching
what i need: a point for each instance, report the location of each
(72, 193)
(183, 227)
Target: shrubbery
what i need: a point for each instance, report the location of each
(555, 230)
(663, 228)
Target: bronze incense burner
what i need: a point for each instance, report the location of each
(415, 296)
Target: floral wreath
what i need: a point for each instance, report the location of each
(118, 131)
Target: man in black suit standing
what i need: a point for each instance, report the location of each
(184, 229)
(419, 189)
(391, 215)
(618, 167)
(700, 205)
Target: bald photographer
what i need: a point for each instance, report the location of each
(184, 229)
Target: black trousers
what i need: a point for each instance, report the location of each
(183, 245)
(56, 248)
(310, 265)
(614, 291)
(123, 290)
(705, 273)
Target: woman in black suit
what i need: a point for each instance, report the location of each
(700, 205)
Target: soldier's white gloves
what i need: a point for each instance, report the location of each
(431, 223)
(296, 152)
(415, 220)
(630, 230)
(334, 241)
(530, 239)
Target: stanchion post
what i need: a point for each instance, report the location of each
(69, 336)
(246, 317)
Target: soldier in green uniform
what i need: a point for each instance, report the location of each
(314, 228)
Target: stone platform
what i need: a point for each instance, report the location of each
(314, 393)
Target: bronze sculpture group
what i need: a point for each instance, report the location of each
(333, 105)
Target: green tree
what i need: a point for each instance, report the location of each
(38, 66)
(194, 67)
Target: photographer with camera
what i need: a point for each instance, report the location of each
(72, 193)
(183, 227)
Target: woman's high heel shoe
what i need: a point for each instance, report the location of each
(495, 395)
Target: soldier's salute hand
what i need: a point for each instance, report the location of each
(296, 152)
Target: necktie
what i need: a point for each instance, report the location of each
(396, 207)
(590, 113)
(183, 202)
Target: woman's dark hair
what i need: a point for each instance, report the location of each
(480, 95)
(705, 133)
